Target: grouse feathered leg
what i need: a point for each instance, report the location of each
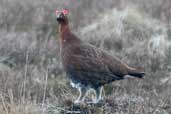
(82, 93)
(98, 94)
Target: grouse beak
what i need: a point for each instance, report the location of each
(60, 17)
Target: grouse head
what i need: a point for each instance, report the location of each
(61, 16)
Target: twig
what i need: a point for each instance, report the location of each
(3, 59)
(68, 111)
(44, 94)
(25, 75)
(3, 103)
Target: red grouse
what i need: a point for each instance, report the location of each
(86, 65)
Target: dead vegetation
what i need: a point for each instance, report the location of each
(31, 76)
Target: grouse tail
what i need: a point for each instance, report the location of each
(136, 73)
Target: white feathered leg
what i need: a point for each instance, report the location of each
(82, 93)
(98, 94)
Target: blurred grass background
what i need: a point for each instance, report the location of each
(136, 31)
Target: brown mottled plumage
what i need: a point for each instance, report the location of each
(88, 66)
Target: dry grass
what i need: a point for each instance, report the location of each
(31, 77)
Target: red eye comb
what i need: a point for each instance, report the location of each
(65, 11)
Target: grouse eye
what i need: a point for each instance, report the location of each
(65, 12)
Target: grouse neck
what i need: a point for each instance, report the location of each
(66, 36)
(63, 31)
